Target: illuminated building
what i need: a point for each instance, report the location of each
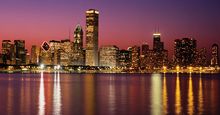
(78, 38)
(144, 49)
(185, 52)
(159, 56)
(78, 55)
(124, 59)
(157, 44)
(7, 52)
(65, 51)
(108, 56)
(20, 53)
(45, 55)
(35, 53)
(215, 55)
(27, 58)
(200, 59)
(135, 57)
(54, 51)
(144, 55)
(92, 22)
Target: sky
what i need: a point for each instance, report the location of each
(121, 22)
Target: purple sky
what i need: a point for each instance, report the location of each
(122, 22)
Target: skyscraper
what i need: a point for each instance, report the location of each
(185, 52)
(78, 55)
(35, 53)
(7, 52)
(78, 38)
(20, 53)
(157, 44)
(92, 24)
(159, 54)
(215, 55)
(135, 57)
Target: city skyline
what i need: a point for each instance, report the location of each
(35, 22)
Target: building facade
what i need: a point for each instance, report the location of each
(20, 53)
(185, 52)
(35, 53)
(108, 56)
(215, 55)
(135, 57)
(92, 26)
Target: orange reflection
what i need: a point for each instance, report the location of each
(200, 99)
(178, 96)
(190, 97)
(89, 95)
(165, 99)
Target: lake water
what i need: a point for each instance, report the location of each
(109, 94)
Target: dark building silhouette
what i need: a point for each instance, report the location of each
(185, 52)
(124, 59)
(20, 53)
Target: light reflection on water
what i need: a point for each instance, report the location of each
(156, 94)
(98, 94)
(41, 107)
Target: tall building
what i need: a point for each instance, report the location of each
(54, 51)
(108, 56)
(20, 53)
(185, 52)
(65, 52)
(45, 54)
(157, 44)
(35, 53)
(135, 57)
(78, 55)
(215, 55)
(92, 24)
(124, 59)
(78, 38)
(8, 52)
(144, 49)
(144, 55)
(159, 54)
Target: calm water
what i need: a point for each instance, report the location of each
(109, 94)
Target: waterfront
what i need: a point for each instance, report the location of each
(107, 94)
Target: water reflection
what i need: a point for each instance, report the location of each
(56, 94)
(156, 94)
(89, 95)
(177, 96)
(200, 98)
(106, 94)
(165, 99)
(190, 96)
(112, 96)
(41, 107)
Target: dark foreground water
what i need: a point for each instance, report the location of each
(109, 94)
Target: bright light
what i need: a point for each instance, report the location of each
(177, 69)
(42, 66)
(156, 34)
(57, 67)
